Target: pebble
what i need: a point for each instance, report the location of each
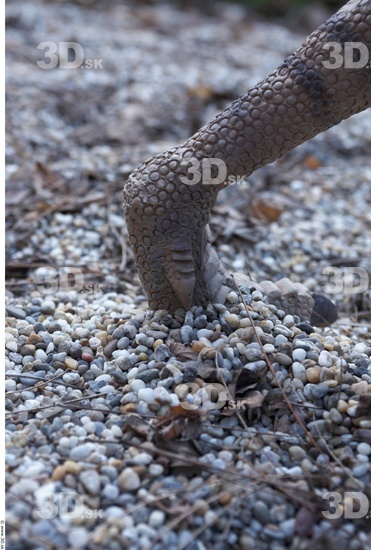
(129, 480)
(71, 363)
(147, 395)
(16, 312)
(325, 359)
(81, 452)
(364, 449)
(90, 480)
(313, 375)
(156, 518)
(297, 453)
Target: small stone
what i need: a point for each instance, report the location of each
(129, 330)
(81, 452)
(232, 297)
(72, 467)
(342, 406)
(233, 320)
(143, 459)
(147, 395)
(315, 391)
(110, 491)
(78, 537)
(297, 453)
(299, 355)
(360, 387)
(200, 321)
(269, 348)
(155, 470)
(28, 349)
(110, 348)
(313, 375)
(162, 353)
(261, 512)
(365, 424)
(148, 375)
(16, 312)
(10, 385)
(54, 327)
(71, 378)
(91, 482)
(360, 469)
(94, 343)
(336, 416)
(47, 307)
(123, 343)
(288, 321)
(87, 356)
(71, 363)
(186, 334)
(129, 480)
(40, 354)
(283, 359)
(364, 449)
(156, 518)
(325, 359)
(299, 371)
(58, 473)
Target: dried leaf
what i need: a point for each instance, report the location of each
(182, 351)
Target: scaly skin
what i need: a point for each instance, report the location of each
(167, 219)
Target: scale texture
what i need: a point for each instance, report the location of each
(167, 216)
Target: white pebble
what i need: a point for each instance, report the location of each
(156, 518)
(155, 470)
(10, 385)
(299, 354)
(232, 297)
(299, 371)
(129, 480)
(142, 458)
(40, 354)
(136, 385)
(147, 395)
(133, 373)
(325, 359)
(364, 448)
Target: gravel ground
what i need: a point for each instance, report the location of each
(191, 430)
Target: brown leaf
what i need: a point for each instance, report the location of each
(264, 211)
(182, 351)
(137, 424)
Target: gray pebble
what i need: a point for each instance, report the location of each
(186, 333)
(91, 482)
(148, 375)
(81, 452)
(123, 343)
(315, 391)
(110, 492)
(16, 312)
(162, 353)
(129, 330)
